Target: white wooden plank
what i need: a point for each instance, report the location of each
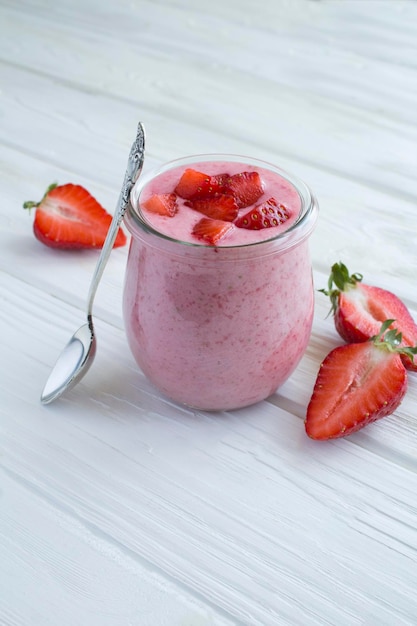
(338, 132)
(58, 569)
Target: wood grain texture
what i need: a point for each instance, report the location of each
(118, 507)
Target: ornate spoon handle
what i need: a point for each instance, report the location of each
(134, 168)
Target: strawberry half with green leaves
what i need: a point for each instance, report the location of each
(162, 204)
(194, 184)
(359, 309)
(265, 215)
(357, 384)
(218, 206)
(211, 230)
(245, 187)
(69, 217)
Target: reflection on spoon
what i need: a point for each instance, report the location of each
(78, 355)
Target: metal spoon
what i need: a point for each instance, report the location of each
(78, 354)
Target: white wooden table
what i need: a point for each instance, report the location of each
(117, 507)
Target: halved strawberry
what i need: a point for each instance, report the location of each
(357, 384)
(162, 204)
(219, 207)
(194, 184)
(69, 217)
(246, 187)
(210, 230)
(359, 310)
(266, 215)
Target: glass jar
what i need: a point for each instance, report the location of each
(218, 327)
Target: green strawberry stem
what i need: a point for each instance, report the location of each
(390, 340)
(30, 204)
(340, 277)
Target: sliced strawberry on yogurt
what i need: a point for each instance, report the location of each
(162, 204)
(245, 187)
(219, 207)
(194, 184)
(265, 215)
(222, 180)
(211, 230)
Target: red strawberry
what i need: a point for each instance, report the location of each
(219, 207)
(359, 310)
(265, 215)
(357, 384)
(69, 217)
(246, 187)
(210, 230)
(222, 180)
(194, 184)
(162, 204)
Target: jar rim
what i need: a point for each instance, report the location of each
(298, 231)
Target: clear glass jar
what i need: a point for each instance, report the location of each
(218, 327)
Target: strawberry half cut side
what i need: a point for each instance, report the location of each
(194, 184)
(211, 230)
(69, 217)
(357, 384)
(162, 204)
(265, 215)
(359, 310)
(219, 207)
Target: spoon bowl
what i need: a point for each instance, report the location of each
(78, 355)
(72, 364)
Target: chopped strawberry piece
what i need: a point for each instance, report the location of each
(210, 230)
(359, 310)
(194, 184)
(265, 215)
(246, 187)
(219, 207)
(357, 383)
(222, 179)
(69, 217)
(162, 204)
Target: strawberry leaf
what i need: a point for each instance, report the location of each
(391, 339)
(30, 204)
(340, 277)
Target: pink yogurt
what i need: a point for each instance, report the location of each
(219, 327)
